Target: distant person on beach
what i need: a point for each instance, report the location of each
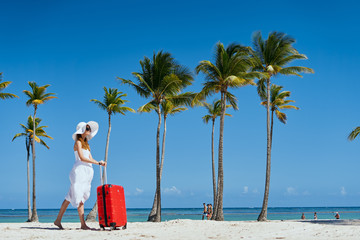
(82, 172)
(205, 211)
(210, 212)
(315, 216)
(303, 216)
(337, 216)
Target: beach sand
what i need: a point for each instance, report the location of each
(190, 229)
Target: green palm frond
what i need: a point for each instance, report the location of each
(159, 77)
(230, 69)
(296, 70)
(113, 102)
(99, 103)
(4, 85)
(354, 133)
(207, 118)
(214, 110)
(148, 107)
(230, 98)
(37, 95)
(281, 116)
(277, 100)
(28, 131)
(275, 53)
(19, 135)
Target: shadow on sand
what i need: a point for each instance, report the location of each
(56, 228)
(353, 222)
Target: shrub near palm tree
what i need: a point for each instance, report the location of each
(160, 79)
(28, 134)
(230, 70)
(36, 96)
(112, 103)
(4, 85)
(214, 111)
(271, 56)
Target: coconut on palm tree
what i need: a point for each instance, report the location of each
(214, 111)
(112, 103)
(230, 69)
(36, 97)
(28, 134)
(4, 85)
(161, 78)
(272, 57)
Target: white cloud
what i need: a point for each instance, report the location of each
(255, 191)
(246, 189)
(139, 191)
(172, 190)
(306, 193)
(290, 191)
(343, 191)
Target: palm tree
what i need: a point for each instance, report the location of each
(277, 101)
(271, 57)
(168, 107)
(36, 96)
(214, 111)
(4, 85)
(230, 70)
(28, 134)
(160, 79)
(112, 103)
(354, 133)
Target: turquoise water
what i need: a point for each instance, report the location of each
(230, 214)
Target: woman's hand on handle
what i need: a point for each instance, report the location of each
(102, 163)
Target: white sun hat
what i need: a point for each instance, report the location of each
(81, 127)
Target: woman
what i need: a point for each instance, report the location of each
(82, 172)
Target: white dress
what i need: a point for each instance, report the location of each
(80, 176)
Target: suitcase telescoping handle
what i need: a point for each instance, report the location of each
(101, 177)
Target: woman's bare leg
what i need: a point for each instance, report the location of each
(63, 208)
(81, 216)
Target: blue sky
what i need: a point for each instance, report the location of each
(81, 46)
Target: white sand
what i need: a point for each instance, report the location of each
(190, 229)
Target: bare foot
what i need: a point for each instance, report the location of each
(58, 224)
(85, 227)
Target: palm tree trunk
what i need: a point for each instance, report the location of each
(158, 186)
(157, 216)
(263, 213)
(271, 128)
(91, 217)
(34, 216)
(154, 207)
(213, 162)
(28, 177)
(219, 215)
(163, 147)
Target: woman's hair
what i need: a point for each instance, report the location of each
(84, 143)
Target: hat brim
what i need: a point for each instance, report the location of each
(94, 129)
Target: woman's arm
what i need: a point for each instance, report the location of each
(100, 163)
(78, 147)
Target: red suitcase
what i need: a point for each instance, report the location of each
(111, 206)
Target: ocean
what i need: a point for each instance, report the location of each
(230, 214)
